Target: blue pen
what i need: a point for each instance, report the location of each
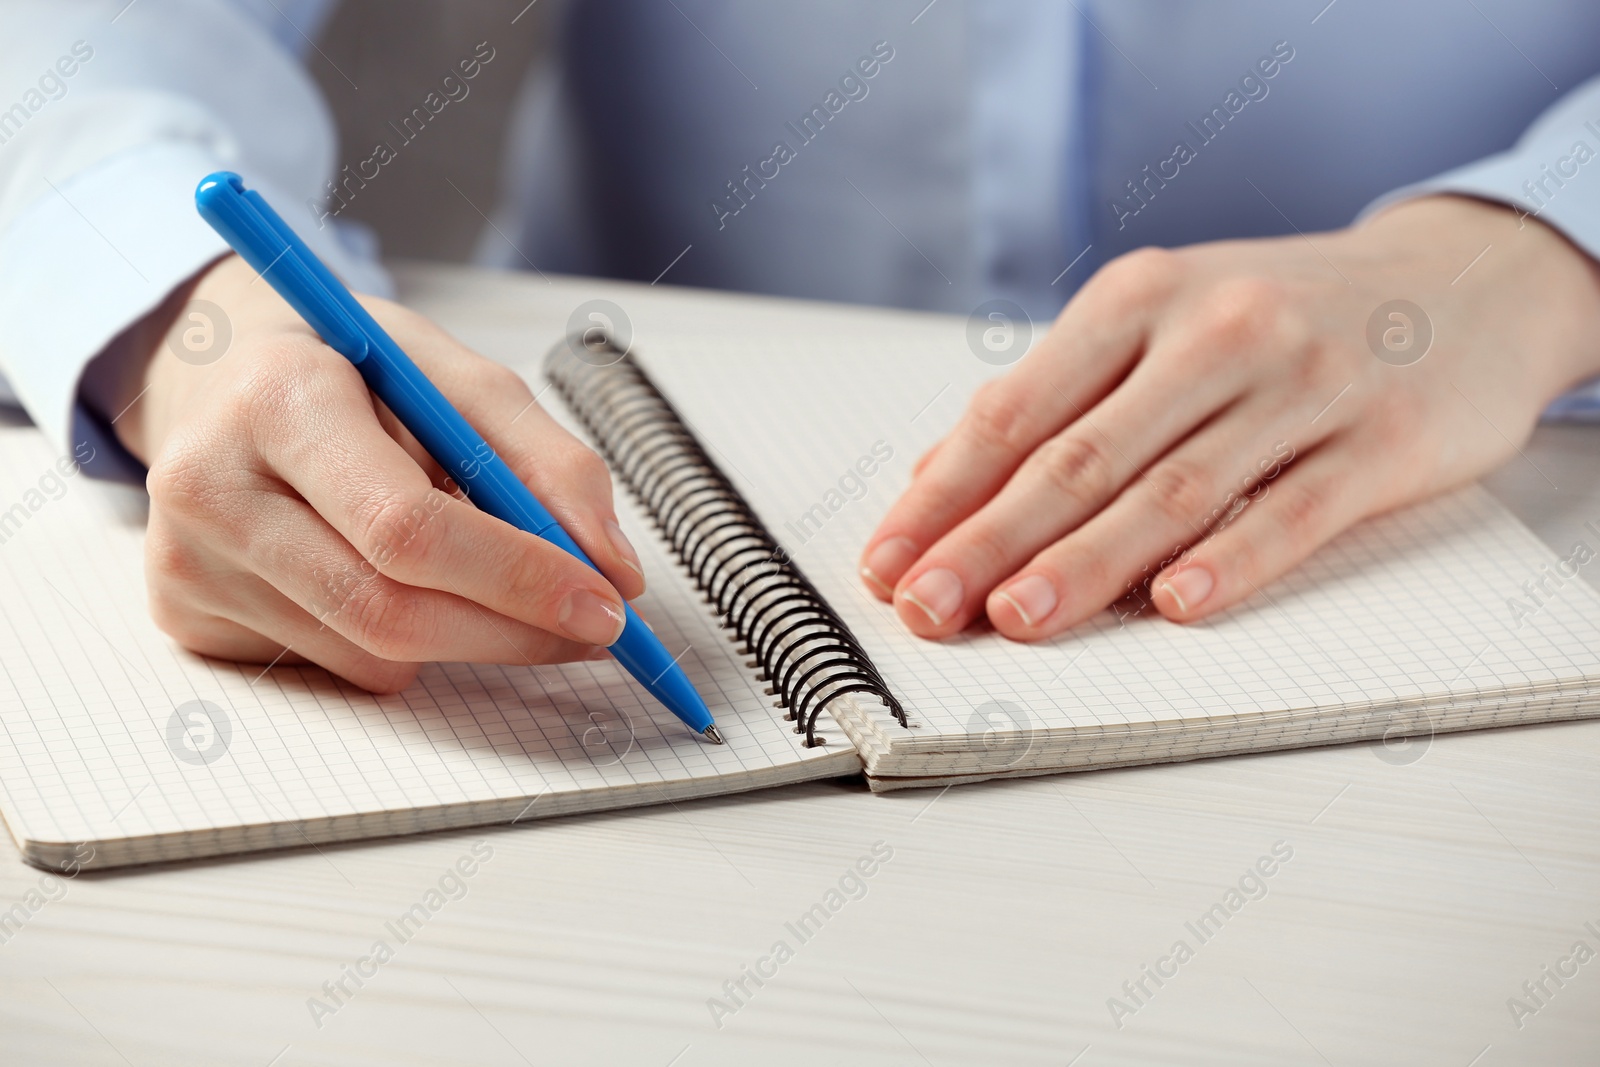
(267, 243)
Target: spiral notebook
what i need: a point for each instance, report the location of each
(117, 747)
(1450, 615)
(751, 471)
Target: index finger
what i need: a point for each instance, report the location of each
(1089, 349)
(566, 476)
(373, 493)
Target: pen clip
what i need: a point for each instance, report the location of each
(261, 237)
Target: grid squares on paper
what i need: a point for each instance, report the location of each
(1413, 606)
(90, 686)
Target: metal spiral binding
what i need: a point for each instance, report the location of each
(801, 645)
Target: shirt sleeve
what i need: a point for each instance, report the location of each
(123, 109)
(1552, 174)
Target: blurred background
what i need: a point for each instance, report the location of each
(1008, 148)
(396, 51)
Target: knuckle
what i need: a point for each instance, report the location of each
(532, 580)
(391, 533)
(386, 620)
(561, 462)
(170, 562)
(981, 539)
(1076, 466)
(1141, 276)
(333, 589)
(283, 382)
(181, 480)
(587, 467)
(277, 378)
(1246, 314)
(1182, 490)
(1083, 567)
(1241, 557)
(573, 472)
(1300, 510)
(997, 419)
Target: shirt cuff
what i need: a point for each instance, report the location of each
(1544, 177)
(100, 251)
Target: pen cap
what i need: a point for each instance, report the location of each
(265, 241)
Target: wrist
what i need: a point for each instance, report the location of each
(123, 383)
(1539, 294)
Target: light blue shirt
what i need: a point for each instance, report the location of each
(907, 153)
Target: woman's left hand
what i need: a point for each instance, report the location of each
(1198, 421)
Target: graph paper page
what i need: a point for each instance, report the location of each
(1409, 607)
(89, 750)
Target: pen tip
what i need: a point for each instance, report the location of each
(711, 734)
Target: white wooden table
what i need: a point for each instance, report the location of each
(1423, 890)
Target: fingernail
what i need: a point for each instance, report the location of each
(1189, 587)
(624, 547)
(938, 593)
(887, 562)
(591, 619)
(1033, 598)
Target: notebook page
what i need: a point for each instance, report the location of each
(1408, 608)
(100, 741)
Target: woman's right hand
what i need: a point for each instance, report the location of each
(293, 520)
